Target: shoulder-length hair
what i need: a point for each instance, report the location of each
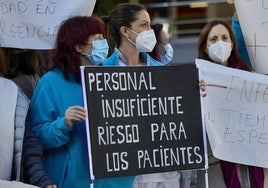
(124, 14)
(74, 30)
(202, 45)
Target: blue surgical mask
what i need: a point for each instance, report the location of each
(99, 52)
(168, 56)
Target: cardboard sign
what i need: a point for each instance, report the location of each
(143, 119)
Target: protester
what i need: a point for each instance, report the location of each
(21, 71)
(129, 27)
(163, 51)
(13, 111)
(125, 24)
(8, 137)
(217, 44)
(56, 113)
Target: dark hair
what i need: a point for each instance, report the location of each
(202, 42)
(3, 66)
(75, 30)
(122, 15)
(21, 61)
(96, 7)
(157, 29)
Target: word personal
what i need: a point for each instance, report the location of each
(121, 81)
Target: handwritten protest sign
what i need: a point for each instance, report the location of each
(34, 24)
(143, 119)
(236, 113)
(253, 17)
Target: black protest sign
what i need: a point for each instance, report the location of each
(143, 119)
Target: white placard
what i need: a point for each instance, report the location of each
(236, 115)
(253, 17)
(34, 24)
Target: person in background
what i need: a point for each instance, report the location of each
(23, 68)
(44, 60)
(13, 111)
(217, 44)
(9, 95)
(56, 113)
(163, 51)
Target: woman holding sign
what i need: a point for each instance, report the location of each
(56, 113)
(129, 26)
(217, 44)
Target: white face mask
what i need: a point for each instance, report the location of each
(145, 40)
(220, 51)
(168, 56)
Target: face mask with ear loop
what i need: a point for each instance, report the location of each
(220, 51)
(99, 51)
(168, 56)
(145, 41)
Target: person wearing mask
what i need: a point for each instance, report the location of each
(56, 113)
(129, 26)
(217, 44)
(132, 35)
(163, 51)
